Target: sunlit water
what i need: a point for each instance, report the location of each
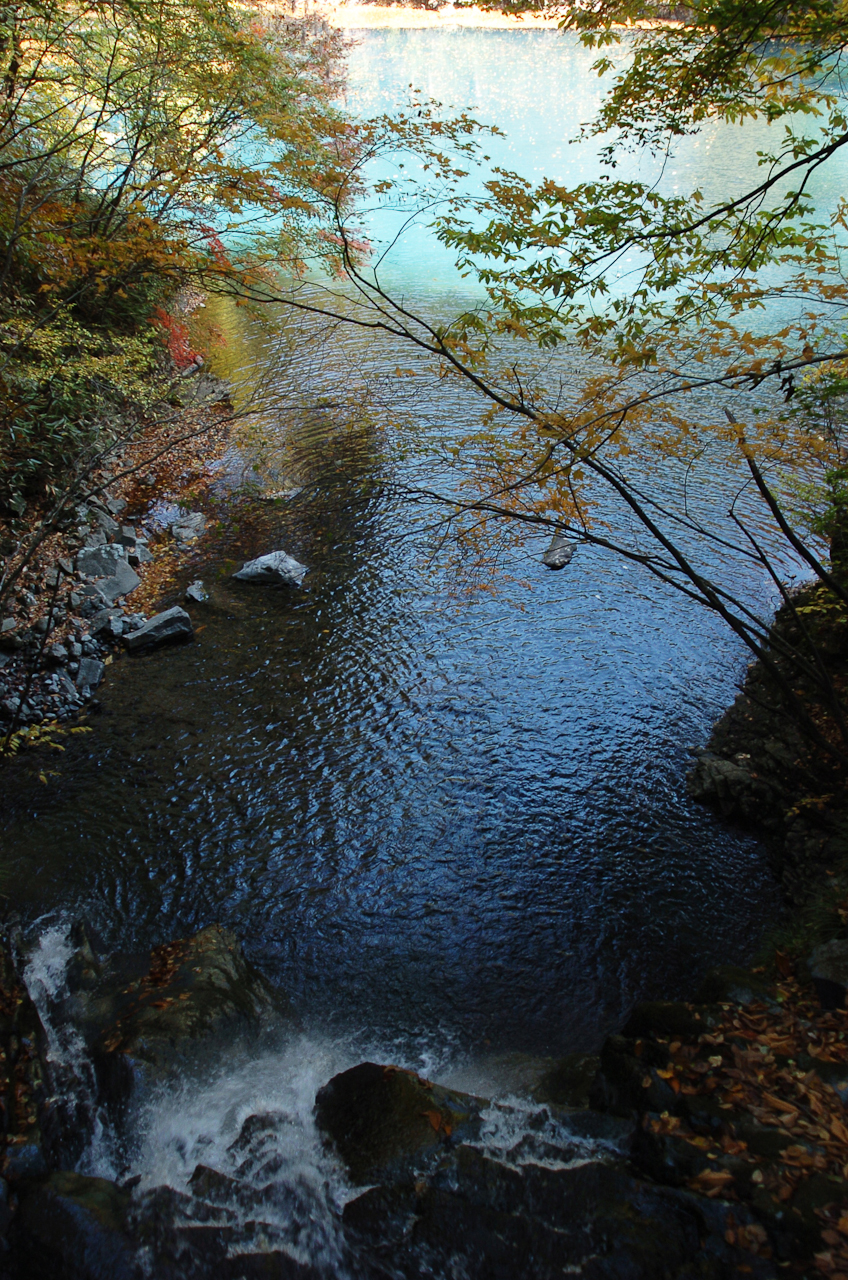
(451, 828)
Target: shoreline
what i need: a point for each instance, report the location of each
(351, 15)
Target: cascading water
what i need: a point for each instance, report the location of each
(231, 1150)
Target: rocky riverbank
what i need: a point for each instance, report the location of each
(758, 768)
(86, 594)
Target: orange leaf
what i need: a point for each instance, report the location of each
(435, 1118)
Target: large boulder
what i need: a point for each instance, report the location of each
(485, 1218)
(191, 994)
(100, 562)
(382, 1118)
(275, 568)
(163, 628)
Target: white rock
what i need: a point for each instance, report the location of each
(275, 567)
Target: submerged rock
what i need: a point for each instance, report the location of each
(379, 1117)
(196, 592)
(276, 567)
(163, 628)
(189, 527)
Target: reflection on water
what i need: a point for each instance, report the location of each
(440, 821)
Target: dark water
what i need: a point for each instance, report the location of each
(428, 815)
(419, 813)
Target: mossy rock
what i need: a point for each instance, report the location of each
(382, 1119)
(190, 993)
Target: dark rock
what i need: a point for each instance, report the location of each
(109, 526)
(664, 1018)
(57, 654)
(828, 966)
(276, 568)
(25, 1160)
(90, 673)
(559, 553)
(569, 1083)
(66, 686)
(628, 1084)
(667, 1157)
(479, 1218)
(163, 628)
(108, 624)
(73, 1226)
(381, 1118)
(727, 983)
(733, 787)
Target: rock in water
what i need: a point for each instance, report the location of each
(195, 991)
(381, 1118)
(162, 628)
(275, 567)
(559, 553)
(197, 592)
(189, 527)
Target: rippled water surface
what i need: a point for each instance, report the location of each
(435, 818)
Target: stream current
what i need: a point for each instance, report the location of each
(454, 830)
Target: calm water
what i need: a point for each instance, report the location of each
(432, 818)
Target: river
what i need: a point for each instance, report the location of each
(453, 828)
